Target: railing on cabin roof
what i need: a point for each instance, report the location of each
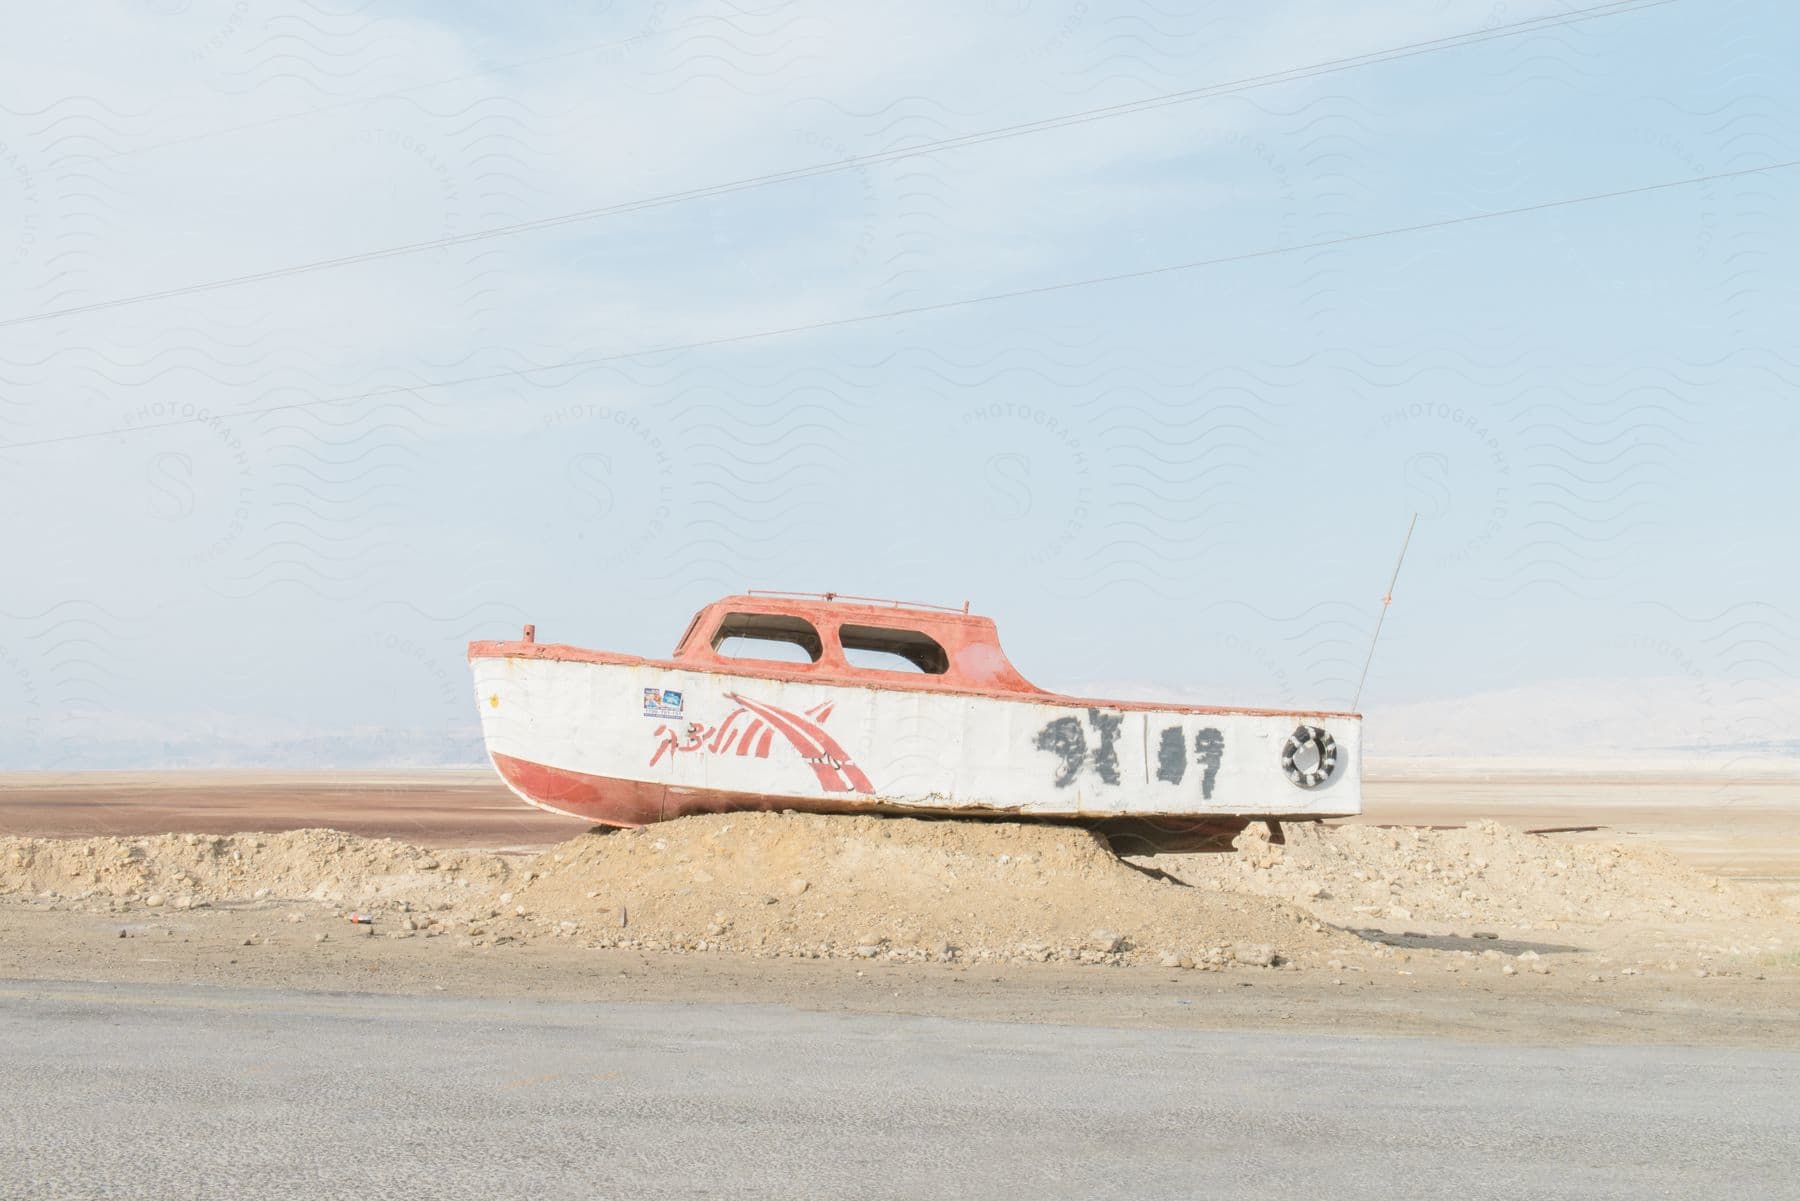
(869, 600)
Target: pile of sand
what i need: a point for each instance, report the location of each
(762, 883)
(183, 870)
(1482, 874)
(807, 885)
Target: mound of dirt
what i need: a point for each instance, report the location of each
(1484, 873)
(807, 885)
(760, 883)
(180, 871)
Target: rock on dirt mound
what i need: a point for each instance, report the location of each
(764, 883)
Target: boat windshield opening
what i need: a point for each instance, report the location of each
(893, 650)
(689, 632)
(771, 636)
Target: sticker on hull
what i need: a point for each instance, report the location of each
(662, 702)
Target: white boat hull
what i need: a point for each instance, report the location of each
(625, 743)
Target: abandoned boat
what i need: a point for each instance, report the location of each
(837, 704)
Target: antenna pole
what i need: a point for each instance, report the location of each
(1386, 599)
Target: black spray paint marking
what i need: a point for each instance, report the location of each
(1106, 759)
(1065, 739)
(1171, 756)
(1209, 748)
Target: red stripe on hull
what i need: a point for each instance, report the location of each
(610, 801)
(602, 799)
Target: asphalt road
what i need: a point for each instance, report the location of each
(136, 1091)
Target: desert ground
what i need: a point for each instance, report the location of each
(1645, 909)
(217, 981)
(1740, 827)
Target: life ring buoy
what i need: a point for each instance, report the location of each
(1325, 763)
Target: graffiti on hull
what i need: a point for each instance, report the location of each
(749, 731)
(1065, 738)
(1068, 740)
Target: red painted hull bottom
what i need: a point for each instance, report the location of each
(609, 801)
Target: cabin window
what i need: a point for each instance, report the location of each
(769, 636)
(893, 650)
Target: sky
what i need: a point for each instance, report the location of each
(256, 524)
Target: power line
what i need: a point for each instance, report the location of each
(938, 307)
(1616, 8)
